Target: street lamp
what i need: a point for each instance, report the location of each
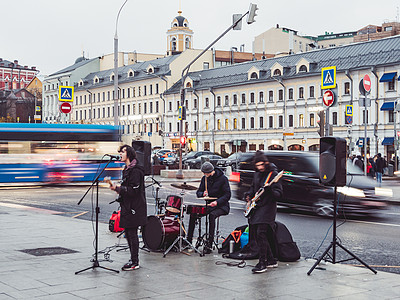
(251, 13)
(116, 95)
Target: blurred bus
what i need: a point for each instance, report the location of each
(56, 153)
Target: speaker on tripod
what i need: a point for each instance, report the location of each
(143, 155)
(333, 172)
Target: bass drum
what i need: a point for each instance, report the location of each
(160, 232)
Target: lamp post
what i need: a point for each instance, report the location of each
(116, 94)
(251, 13)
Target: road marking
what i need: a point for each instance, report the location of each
(374, 223)
(82, 213)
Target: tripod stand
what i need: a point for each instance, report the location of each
(160, 205)
(335, 243)
(95, 260)
(178, 241)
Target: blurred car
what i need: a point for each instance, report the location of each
(169, 156)
(171, 160)
(232, 161)
(194, 155)
(302, 190)
(196, 163)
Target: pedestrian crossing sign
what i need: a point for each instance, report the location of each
(328, 77)
(66, 93)
(349, 110)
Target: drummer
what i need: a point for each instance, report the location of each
(213, 184)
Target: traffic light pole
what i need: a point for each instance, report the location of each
(185, 72)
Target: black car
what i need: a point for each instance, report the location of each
(194, 155)
(197, 162)
(232, 161)
(302, 190)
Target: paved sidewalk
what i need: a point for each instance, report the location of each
(177, 276)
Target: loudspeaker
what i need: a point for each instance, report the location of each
(332, 161)
(143, 155)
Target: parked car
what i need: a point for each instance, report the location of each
(169, 158)
(195, 154)
(302, 190)
(232, 161)
(195, 163)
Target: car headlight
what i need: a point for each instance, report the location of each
(351, 192)
(383, 192)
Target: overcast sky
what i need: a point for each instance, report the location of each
(51, 34)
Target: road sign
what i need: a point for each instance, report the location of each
(328, 77)
(66, 93)
(349, 110)
(349, 119)
(65, 108)
(37, 108)
(367, 83)
(328, 98)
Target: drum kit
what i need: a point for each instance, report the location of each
(165, 231)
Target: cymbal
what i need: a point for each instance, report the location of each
(208, 198)
(184, 186)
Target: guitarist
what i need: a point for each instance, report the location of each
(262, 217)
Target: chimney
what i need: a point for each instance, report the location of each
(1, 59)
(33, 68)
(15, 62)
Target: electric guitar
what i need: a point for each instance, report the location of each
(253, 202)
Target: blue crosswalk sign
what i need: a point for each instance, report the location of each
(66, 93)
(349, 110)
(328, 77)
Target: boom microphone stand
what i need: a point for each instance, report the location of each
(95, 260)
(335, 243)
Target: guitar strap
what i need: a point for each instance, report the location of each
(267, 179)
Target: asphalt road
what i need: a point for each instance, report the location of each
(375, 240)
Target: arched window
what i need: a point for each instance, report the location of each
(150, 70)
(302, 68)
(252, 123)
(254, 75)
(173, 44)
(188, 85)
(130, 74)
(187, 43)
(219, 124)
(277, 72)
(226, 124)
(235, 123)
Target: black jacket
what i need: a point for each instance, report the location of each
(217, 186)
(379, 164)
(265, 210)
(133, 198)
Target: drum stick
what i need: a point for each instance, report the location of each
(206, 185)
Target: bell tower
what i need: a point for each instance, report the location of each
(180, 36)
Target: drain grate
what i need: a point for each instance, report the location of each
(48, 251)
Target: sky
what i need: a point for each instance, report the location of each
(51, 34)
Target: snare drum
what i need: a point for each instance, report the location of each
(198, 210)
(174, 204)
(160, 232)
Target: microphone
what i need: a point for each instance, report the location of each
(113, 157)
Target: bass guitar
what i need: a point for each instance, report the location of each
(253, 202)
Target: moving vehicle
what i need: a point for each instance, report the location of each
(232, 161)
(195, 154)
(195, 163)
(302, 190)
(57, 153)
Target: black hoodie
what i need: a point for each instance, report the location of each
(217, 186)
(265, 210)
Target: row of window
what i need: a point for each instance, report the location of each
(140, 128)
(109, 95)
(53, 86)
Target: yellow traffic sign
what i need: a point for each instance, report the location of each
(328, 77)
(349, 110)
(66, 93)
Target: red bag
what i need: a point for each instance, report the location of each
(113, 224)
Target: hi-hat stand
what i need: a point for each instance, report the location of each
(160, 205)
(334, 243)
(95, 260)
(181, 238)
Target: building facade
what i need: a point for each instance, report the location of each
(275, 103)
(14, 76)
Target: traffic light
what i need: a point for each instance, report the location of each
(252, 13)
(183, 141)
(321, 123)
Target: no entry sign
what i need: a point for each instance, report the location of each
(65, 107)
(328, 98)
(367, 83)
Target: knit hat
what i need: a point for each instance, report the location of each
(207, 167)
(260, 156)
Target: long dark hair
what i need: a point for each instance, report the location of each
(130, 152)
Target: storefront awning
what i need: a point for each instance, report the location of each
(388, 141)
(388, 106)
(388, 77)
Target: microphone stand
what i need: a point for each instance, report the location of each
(159, 205)
(95, 260)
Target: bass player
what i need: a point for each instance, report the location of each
(262, 217)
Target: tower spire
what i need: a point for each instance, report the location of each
(180, 7)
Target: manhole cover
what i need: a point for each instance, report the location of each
(48, 251)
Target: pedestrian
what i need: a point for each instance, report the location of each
(379, 165)
(132, 199)
(262, 217)
(371, 167)
(213, 184)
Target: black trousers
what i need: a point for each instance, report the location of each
(264, 236)
(212, 215)
(131, 235)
